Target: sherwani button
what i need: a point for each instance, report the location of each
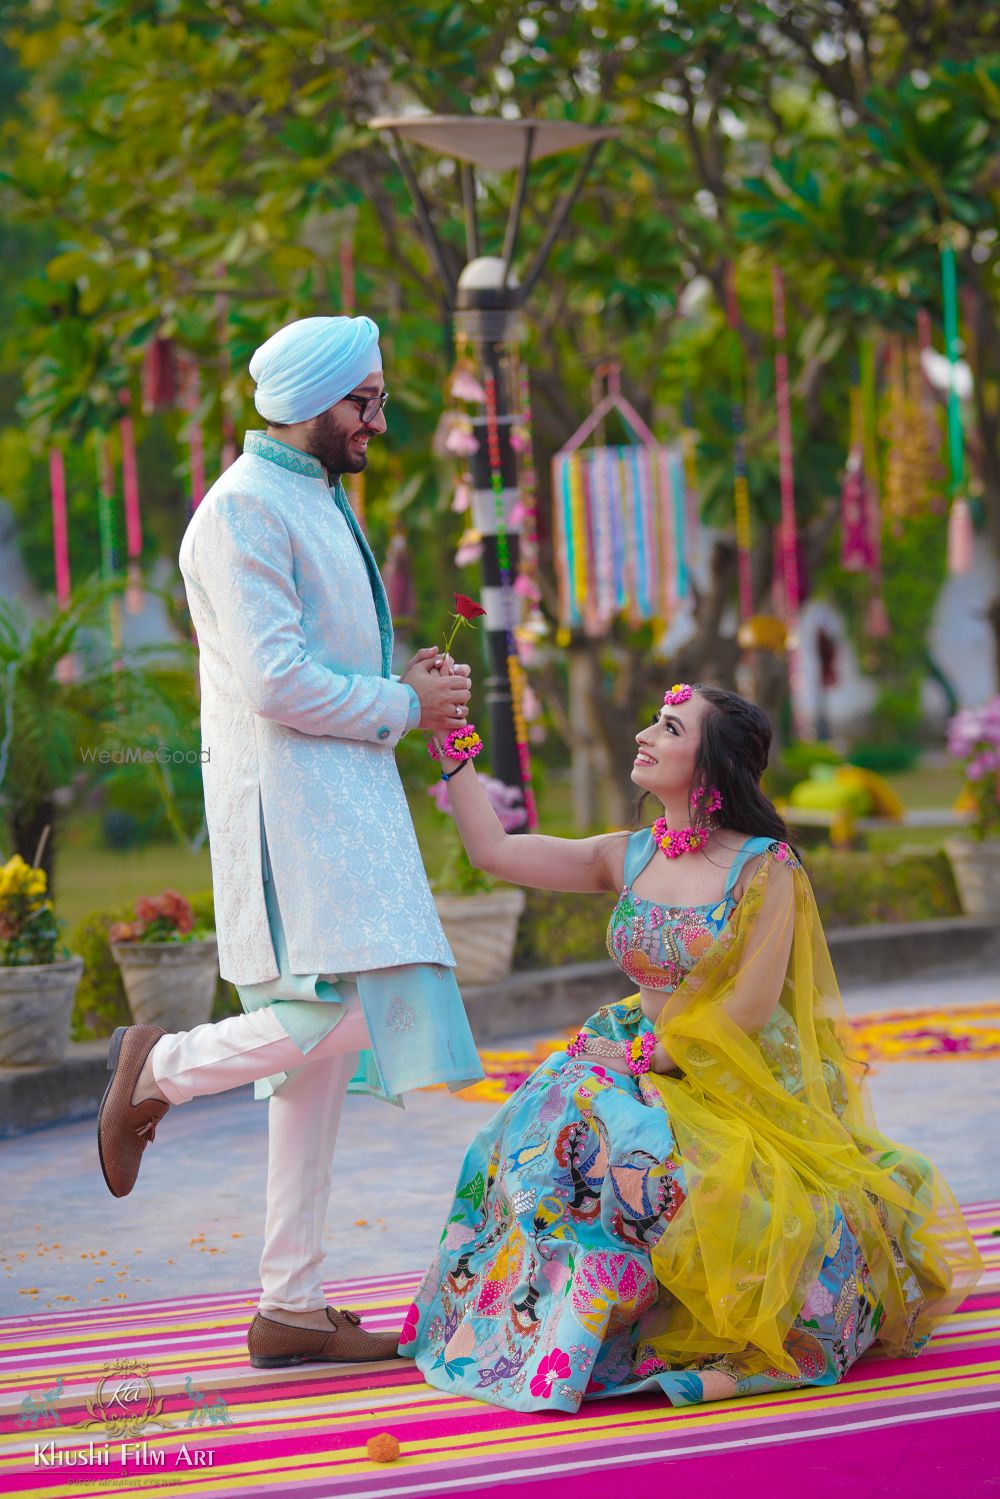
(383, 732)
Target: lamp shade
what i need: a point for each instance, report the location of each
(494, 144)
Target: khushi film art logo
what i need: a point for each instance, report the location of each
(125, 1407)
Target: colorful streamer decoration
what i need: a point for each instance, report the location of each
(787, 536)
(619, 524)
(60, 527)
(354, 484)
(191, 397)
(741, 483)
(108, 540)
(624, 523)
(515, 671)
(133, 517)
(228, 454)
(960, 532)
(909, 470)
(858, 538)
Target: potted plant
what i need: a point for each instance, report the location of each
(974, 738)
(37, 982)
(169, 967)
(69, 708)
(480, 916)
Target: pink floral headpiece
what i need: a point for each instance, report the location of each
(679, 693)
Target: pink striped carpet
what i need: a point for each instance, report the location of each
(926, 1428)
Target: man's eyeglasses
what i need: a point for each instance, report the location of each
(368, 406)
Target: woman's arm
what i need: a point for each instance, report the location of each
(533, 859)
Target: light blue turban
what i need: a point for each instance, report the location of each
(308, 366)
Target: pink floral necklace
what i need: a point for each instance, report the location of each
(673, 842)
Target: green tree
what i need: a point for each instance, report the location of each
(180, 152)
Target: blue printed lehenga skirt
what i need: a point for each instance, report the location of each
(542, 1285)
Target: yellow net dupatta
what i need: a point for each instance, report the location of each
(774, 1130)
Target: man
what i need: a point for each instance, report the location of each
(324, 917)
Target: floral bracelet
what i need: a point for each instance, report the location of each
(638, 1053)
(461, 744)
(640, 1057)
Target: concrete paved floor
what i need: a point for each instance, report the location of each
(194, 1221)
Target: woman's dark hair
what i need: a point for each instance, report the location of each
(732, 756)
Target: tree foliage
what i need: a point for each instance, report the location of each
(170, 153)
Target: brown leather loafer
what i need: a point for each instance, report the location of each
(124, 1128)
(278, 1345)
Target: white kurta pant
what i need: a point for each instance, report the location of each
(303, 1119)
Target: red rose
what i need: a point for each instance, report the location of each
(467, 608)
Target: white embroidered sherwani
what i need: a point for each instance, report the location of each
(299, 720)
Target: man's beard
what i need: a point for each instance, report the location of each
(331, 446)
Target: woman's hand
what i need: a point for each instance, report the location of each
(661, 1060)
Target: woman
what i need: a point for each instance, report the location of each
(692, 1196)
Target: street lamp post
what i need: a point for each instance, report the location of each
(486, 314)
(484, 301)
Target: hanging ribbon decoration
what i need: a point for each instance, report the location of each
(625, 521)
(741, 483)
(960, 534)
(354, 484)
(856, 554)
(130, 497)
(191, 397)
(877, 624)
(228, 426)
(108, 541)
(786, 478)
(60, 525)
(515, 671)
(526, 582)
(534, 627)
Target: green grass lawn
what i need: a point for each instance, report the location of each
(93, 877)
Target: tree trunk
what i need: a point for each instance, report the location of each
(26, 828)
(583, 771)
(993, 615)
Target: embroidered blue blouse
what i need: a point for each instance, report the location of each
(657, 945)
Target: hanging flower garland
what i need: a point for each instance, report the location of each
(191, 401)
(877, 624)
(741, 483)
(526, 585)
(130, 498)
(910, 461)
(525, 512)
(108, 540)
(856, 551)
(787, 537)
(515, 671)
(60, 528)
(960, 533)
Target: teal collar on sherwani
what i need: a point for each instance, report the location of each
(285, 456)
(261, 446)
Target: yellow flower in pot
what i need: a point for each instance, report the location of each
(38, 979)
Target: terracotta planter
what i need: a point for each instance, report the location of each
(481, 930)
(977, 874)
(169, 983)
(36, 1004)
